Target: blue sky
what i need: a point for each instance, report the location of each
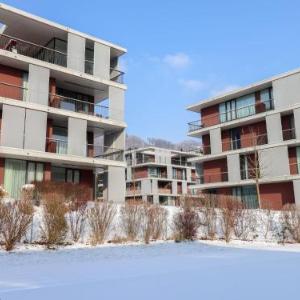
(180, 52)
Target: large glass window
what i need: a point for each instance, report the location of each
(247, 194)
(235, 138)
(65, 175)
(19, 172)
(266, 97)
(60, 135)
(245, 106)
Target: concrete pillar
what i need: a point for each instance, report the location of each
(297, 122)
(184, 188)
(169, 172)
(12, 129)
(102, 61)
(146, 186)
(76, 52)
(274, 128)
(233, 165)
(35, 130)
(116, 184)
(174, 187)
(274, 162)
(114, 141)
(77, 140)
(296, 185)
(215, 141)
(188, 174)
(155, 199)
(38, 85)
(116, 103)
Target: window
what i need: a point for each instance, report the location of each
(266, 97)
(244, 167)
(245, 106)
(19, 172)
(60, 135)
(153, 172)
(247, 194)
(65, 175)
(235, 138)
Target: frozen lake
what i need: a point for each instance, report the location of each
(160, 271)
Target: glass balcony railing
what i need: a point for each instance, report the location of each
(212, 178)
(244, 142)
(231, 115)
(33, 50)
(80, 106)
(288, 134)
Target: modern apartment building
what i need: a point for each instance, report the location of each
(251, 138)
(61, 106)
(158, 175)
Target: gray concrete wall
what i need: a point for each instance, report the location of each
(76, 52)
(115, 140)
(286, 91)
(169, 172)
(215, 141)
(297, 122)
(116, 103)
(12, 129)
(296, 185)
(184, 188)
(274, 162)
(77, 140)
(116, 184)
(174, 187)
(35, 130)
(233, 165)
(188, 174)
(274, 128)
(38, 85)
(146, 187)
(102, 61)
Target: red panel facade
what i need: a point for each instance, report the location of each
(210, 115)
(215, 170)
(276, 195)
(140, 172)
(293, 161)
(11, 82)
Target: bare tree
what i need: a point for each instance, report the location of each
(77, 218)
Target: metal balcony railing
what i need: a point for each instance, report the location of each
(251, 173)
(288, 134)
(12, 91)
(59, 146)
(145, 159)
(231, 115)
(80, 106)
(116, 75)
(244, 142)
(165, 190)
(212, 178)
(158, 175)
(33, 50)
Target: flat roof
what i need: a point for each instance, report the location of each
(239, 92)
(15, 18)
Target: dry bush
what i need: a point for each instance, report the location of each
(229, 208)
(3, 192)
(131, 217)
(154, 222)
(186, 223)
(267, 219)
(290, 222)
(15, 219)
(245, 222)
(208, 215)
(77, 217)
(100, 219)
(54, 226)
(65, 190)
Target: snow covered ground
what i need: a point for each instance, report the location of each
(158, 271)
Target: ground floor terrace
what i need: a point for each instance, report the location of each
(272, 195)
(14, 173)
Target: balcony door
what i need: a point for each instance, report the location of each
(235, 136)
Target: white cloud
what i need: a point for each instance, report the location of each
(224, 90)
(177, 61)
(192, 85)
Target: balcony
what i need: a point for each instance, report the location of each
(288, 134)
(59, 146)
(251, 173)
(244, 142)
(164, 191)
(145, 159)
(49, 55)
(232, 115)
(212, 178)
(32, 50)
(75, 105)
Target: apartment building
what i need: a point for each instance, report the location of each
(158, 175)
(251, 139)
(61, 106)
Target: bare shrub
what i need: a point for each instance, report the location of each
(54, 225)
(208, 216)
(15, 219)
(267, 219)
(186, 223)
(229, 208)
(154, 222)
(100, 219)
(77, 217)
(290, 222)
(245, 222)
(3, 192)
(131, 217)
